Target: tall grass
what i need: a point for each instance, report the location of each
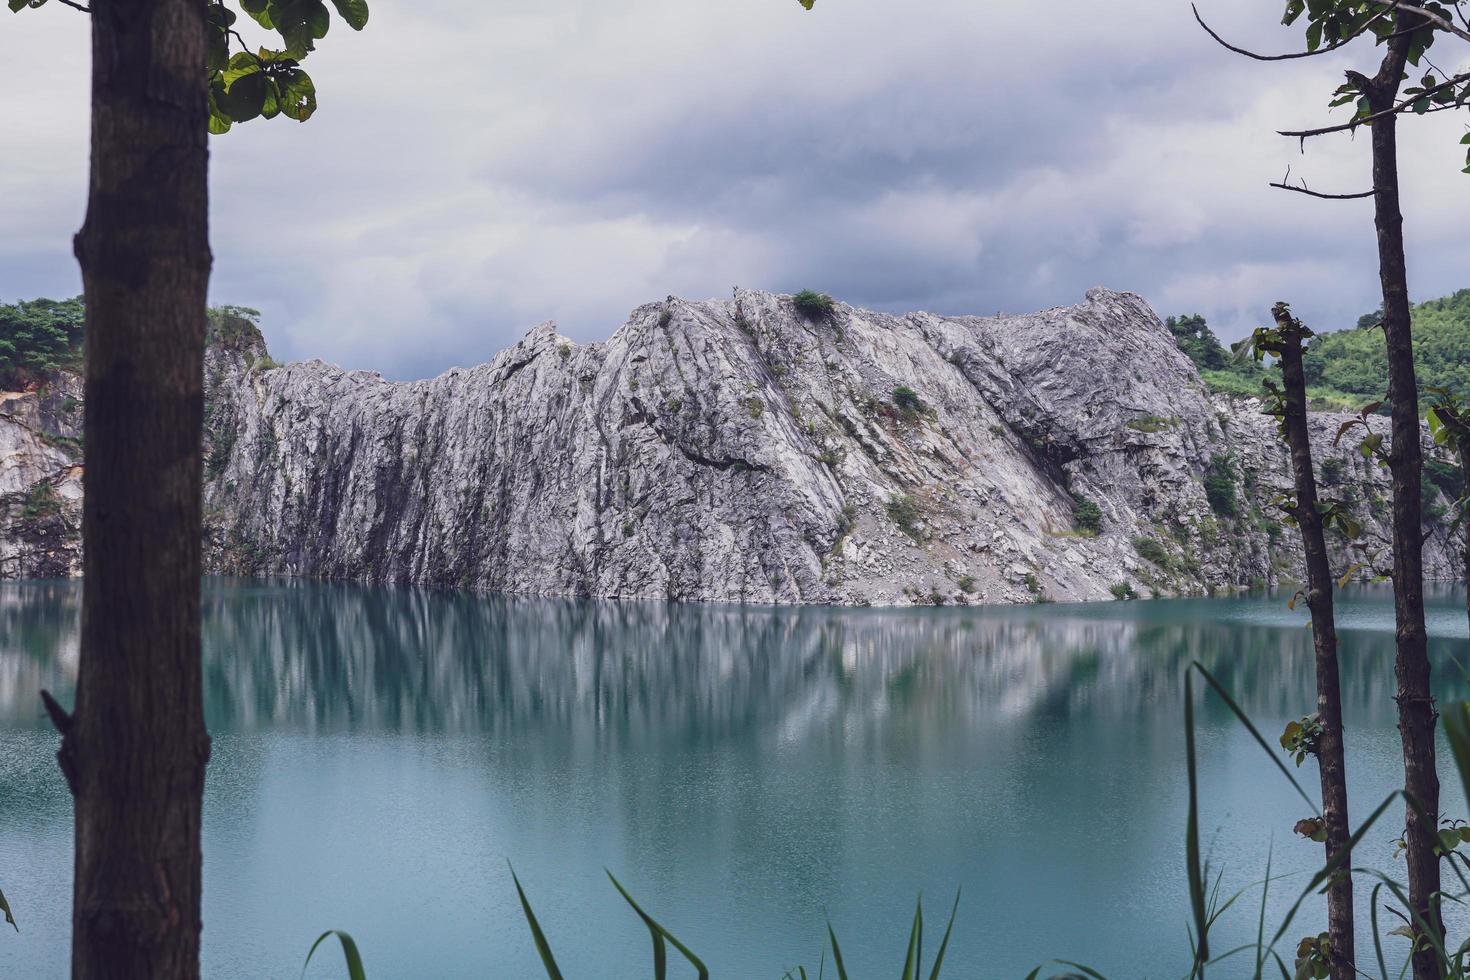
(912, 964)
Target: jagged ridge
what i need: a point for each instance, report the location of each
(738, 450)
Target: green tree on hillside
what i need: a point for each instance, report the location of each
(1354, 361)
(1198, 341)
(39, 336)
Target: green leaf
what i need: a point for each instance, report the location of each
(297, 94)
(915, 955)
(836, 953)
(807, 3)
(349, 952)
(246, 96)
(219, 120)
(659, 934)
(542, 946)
(218, 54)
(944, 943)
(259, 11)
(1457, 730)
(292, 21)
(319, 20)
(238, 66)
(355, 12)
(270, 106)
(5, 907)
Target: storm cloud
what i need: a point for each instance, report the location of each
(476, 168)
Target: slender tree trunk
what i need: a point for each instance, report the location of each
(1331, 765)
(1417, 713)
(134, 751)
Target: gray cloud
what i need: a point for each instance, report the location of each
(477, 168)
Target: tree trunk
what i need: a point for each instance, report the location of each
(134, 751)
(1417, 713)
(1331, 765)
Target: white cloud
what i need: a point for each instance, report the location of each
(477, 168)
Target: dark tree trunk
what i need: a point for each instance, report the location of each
(134, 751)
(1330, 762)
(1417, 713)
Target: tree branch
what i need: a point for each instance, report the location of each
(1282, 57)
(1442, 23)
(1329, 197)
(76, 6)
(1355, 122)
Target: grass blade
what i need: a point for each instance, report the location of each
(1255, 733)
(1457, 730)
(836, 953)
(542, 946)
(1373, 924)
(349, 952)
(1191, 836)
(916, 943)
(944, 943)
(1261, 922)
(1331, 866)
(660, 933)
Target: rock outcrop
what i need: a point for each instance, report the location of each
(745, 450)
(41, 481)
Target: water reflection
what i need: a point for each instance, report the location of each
(379, 753)
(329, 657)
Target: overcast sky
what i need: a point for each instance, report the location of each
(478, 166)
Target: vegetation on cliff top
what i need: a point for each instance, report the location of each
(1345, 368)
(39, 336)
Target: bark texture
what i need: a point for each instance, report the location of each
(1330, 762)
(1417, 713)
(135, 749)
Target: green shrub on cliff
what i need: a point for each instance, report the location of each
(1087, 516)
(1220, 486)
(813, 305)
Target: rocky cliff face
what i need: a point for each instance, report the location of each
(742, 450)
(41, 481)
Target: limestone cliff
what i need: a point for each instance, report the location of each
(743, 450)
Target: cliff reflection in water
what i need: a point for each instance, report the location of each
(329, 657)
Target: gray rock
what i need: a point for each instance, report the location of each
(737, 450)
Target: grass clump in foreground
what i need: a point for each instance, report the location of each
(912, 964)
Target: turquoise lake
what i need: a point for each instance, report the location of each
(381, 755)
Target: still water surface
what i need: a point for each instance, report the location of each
(380, 754)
